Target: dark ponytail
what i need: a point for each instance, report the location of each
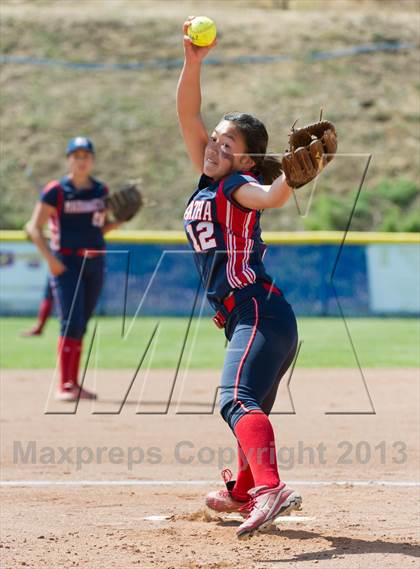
(256, 140)
(270, 169)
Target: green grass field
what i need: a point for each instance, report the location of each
(378, 342)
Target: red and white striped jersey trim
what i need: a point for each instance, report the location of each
(239, 244)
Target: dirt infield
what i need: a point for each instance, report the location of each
(164, 463)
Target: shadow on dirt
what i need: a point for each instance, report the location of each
(341, 546)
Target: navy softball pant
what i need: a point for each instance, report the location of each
(48, 293)
(262, 334)
(76, 292)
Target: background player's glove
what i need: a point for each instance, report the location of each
(124, 204)
(310, 149)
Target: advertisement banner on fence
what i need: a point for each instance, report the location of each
(394, 278)
(23, 275)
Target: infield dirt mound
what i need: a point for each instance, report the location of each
(99, 527)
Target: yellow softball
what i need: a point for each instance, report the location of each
(202, 31)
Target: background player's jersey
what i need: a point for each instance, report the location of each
(79, 217)
(225, 236)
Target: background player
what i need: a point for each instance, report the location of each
(237, 182)
(44, 311)
(74, 207)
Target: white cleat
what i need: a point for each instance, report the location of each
(222, 501)
(73, 393)
(266, 505)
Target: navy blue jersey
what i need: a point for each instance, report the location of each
(225, 236)
(79, 217)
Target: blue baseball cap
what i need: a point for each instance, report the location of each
(79, 143)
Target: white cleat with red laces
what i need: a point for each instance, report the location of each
(266, 505)
(222, 500)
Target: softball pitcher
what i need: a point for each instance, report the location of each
(222, 221)
(75, 209)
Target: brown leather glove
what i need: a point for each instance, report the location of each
(310, 149)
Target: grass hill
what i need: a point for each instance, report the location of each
(374, 99)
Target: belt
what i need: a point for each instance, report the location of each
(88, 253)
(238, 296)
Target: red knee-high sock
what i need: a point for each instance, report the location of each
(43, 313)
(67, 352)
(75, 361)
(244, 479)
(256, 437)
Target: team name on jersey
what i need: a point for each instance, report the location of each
(199, 210)
(83, 206)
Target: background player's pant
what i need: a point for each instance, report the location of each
(76, 292)
(44, 311)
(45, 307)
(263, 342)
(48, 293)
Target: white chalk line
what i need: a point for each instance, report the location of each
(315, 483)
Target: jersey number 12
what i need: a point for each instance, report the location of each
(202, 238)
